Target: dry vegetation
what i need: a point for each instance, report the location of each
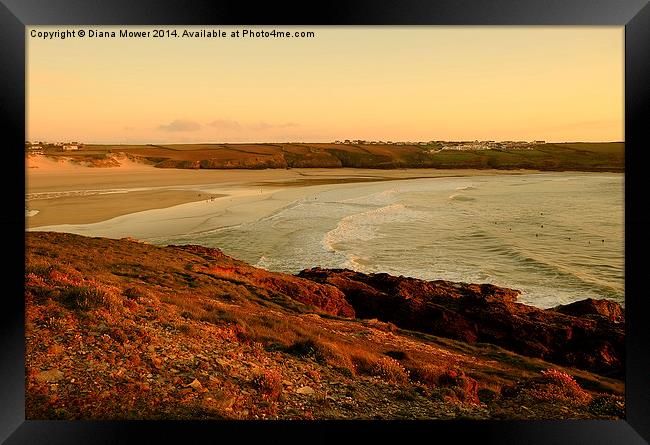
(555, 157)
(118, 329)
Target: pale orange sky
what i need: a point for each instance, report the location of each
(375, 83)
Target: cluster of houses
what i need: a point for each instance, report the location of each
(453, 145)
(39, 147)
(491, 145)
(362, 142)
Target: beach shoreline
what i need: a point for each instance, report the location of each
(64, 193)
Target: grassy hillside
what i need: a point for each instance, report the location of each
(564, 156)
(117, 329)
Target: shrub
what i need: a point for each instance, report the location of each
(397, 355)
(305, 347)
(82, 298)
(465, 387)
(185, 328)
(364, 361)
(427, 374)
(391, 370)
(388, 368)
(323, 352)
(134, 293)
(39, 269)
(486, 395)
(558, 377)
(269, 383)
(608, 405)
(561, 386)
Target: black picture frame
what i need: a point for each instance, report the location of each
(15, 15)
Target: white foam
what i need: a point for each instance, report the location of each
(357, 263)
(363, 226)
(263, 263)
(74, 193)
(459, 197)
(380, 198)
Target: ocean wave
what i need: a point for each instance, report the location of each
(74, 193)
(363, 226)
(31, 212)
(466, 187)
(263, 263)
(380, 198)
(553, 270)
(459, 197)
(357, 263)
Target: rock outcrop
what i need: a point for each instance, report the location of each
(120, 329)
(588, 334)
(594, 309)
(327, 298)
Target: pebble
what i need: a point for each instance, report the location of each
(195, 384)
(53, 375)
(305, 390)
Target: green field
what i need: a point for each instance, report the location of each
(579, 156)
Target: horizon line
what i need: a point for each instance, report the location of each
(327, 142)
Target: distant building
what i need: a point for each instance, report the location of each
(70, 147)
(540, 142)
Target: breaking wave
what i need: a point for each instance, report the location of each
(364, 226)
(459, 197)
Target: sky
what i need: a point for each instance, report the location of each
(374, 83)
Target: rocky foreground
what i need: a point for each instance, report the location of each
(587, 334)
(117, 329)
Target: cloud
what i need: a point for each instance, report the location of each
(261, 126)
(224, 124)
(180, 125)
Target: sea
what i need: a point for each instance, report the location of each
(558, 237)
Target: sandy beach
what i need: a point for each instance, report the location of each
(136, 194)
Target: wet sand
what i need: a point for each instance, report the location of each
(66, 193)
(100, 207)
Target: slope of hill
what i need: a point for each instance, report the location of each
(117, 329)
(554, 157)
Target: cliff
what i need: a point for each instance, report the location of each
(588, 334)
(118, 329)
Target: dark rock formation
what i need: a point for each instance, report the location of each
(594, 309)
(586, 334)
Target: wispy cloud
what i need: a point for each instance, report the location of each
(230, 125)
(223, 124)
(261, 126)
(180, 125)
